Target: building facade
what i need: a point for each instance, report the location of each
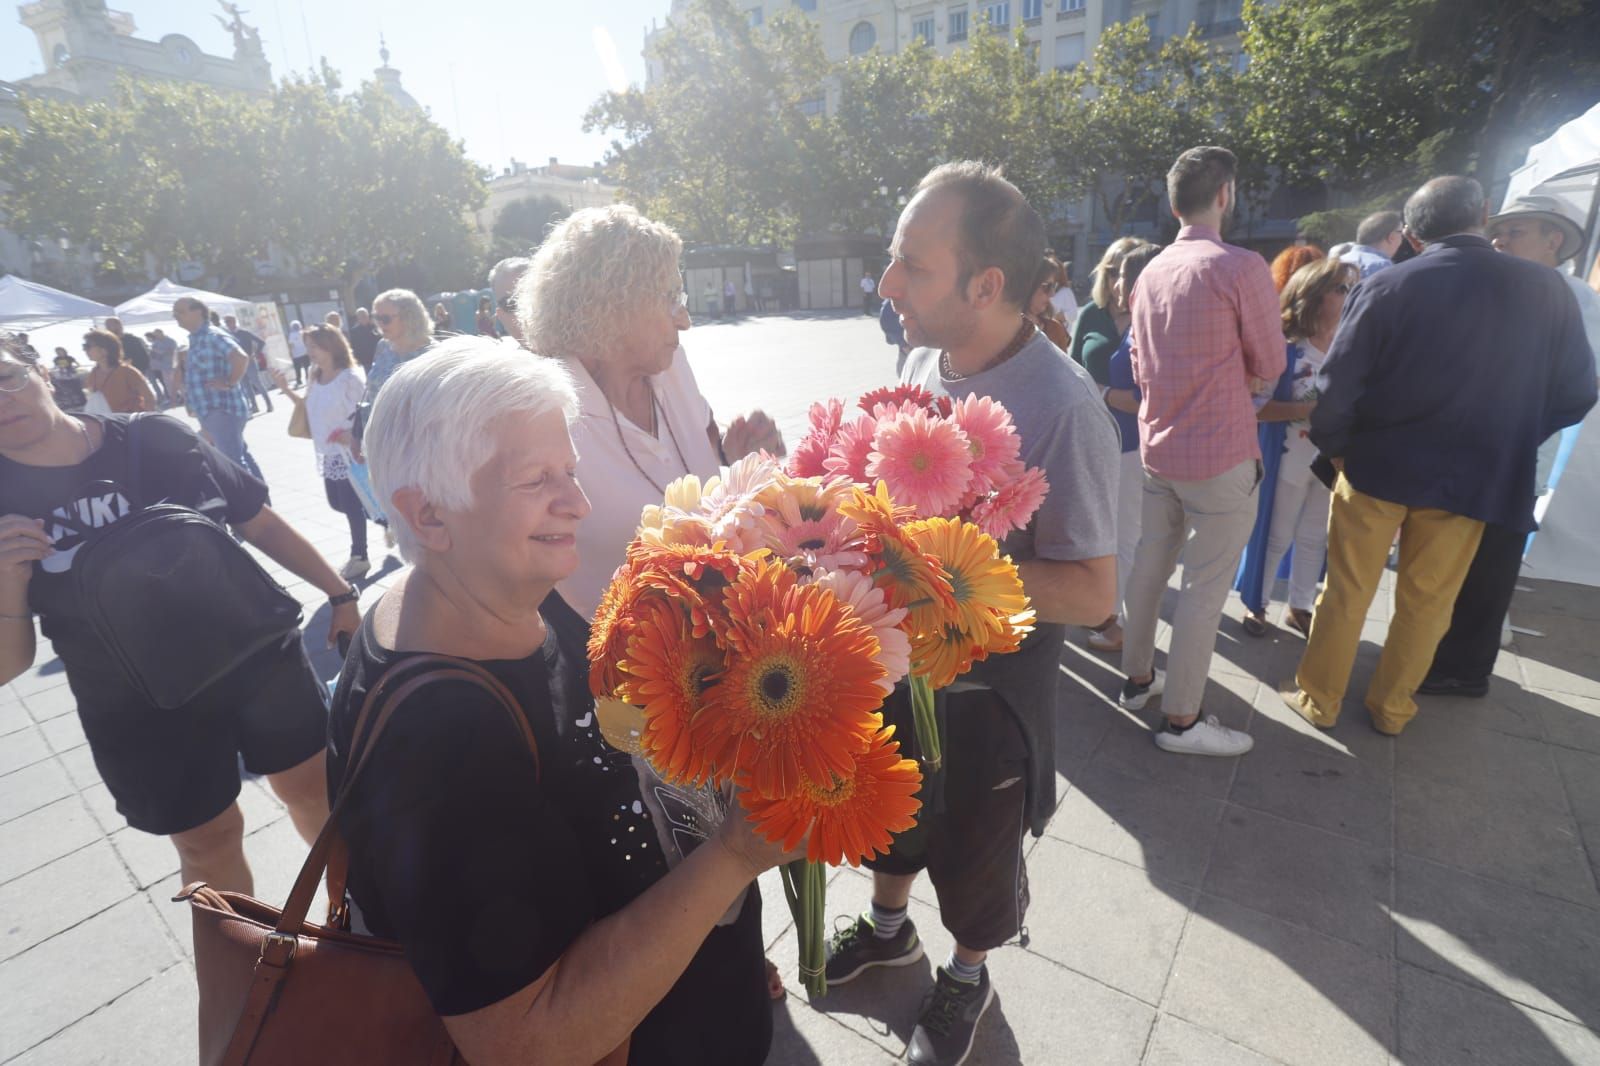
(575, 187)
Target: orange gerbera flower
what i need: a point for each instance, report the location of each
(907, 574)
(942, 652)
(613, 621)
(984, 584)
(800, 694)
(694, 575)
(854, 816)
(668, 674)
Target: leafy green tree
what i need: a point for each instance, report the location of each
(1135, 107)
(725, 147)
(524, 223)
(1373, 95)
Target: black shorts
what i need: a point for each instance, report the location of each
(972, 845)
(171, 771)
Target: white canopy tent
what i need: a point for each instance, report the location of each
(155, 306)
(26, 306)
(1567, 165)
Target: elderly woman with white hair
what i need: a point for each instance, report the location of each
(406, 333)
(547, 914)
(604, 296)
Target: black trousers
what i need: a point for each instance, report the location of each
(1469, 649)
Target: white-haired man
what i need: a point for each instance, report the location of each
(503, 278)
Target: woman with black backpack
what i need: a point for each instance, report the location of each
(181, 666)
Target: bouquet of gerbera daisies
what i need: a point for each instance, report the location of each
(753, 632)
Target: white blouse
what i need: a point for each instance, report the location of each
(331, 406)
(617, 461)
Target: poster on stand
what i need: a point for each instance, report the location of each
(269, 327)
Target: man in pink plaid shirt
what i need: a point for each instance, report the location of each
(1206, 330)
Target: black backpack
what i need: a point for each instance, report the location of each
(177, 602)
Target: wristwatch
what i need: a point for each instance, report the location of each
(349, 595)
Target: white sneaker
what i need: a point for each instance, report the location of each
(357, 567)
(1206, 737)
(388, 537)
(1133, 697)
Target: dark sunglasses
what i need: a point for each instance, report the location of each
(508, 303)
(384, 320)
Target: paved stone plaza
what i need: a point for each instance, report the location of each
(1338, 899)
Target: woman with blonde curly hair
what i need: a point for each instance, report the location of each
(1293, 511)
(604, 296)
(1102, 323)
(407, 332)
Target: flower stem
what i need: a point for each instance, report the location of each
(805, 885)
(927, 724)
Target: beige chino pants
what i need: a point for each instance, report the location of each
(1207, 524)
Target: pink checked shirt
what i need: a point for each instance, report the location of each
(1205, 320)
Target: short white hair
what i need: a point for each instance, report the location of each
(515, 264)
(431, 427)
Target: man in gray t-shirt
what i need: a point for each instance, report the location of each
(964, 255)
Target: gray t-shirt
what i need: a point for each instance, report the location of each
(1066, 431)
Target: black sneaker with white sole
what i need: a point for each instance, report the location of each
(949, 1020)
(1134, 696)
(857, 947)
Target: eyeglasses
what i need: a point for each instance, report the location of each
(384, 320)
(1049, 287)
(678, 298)
(508, 303)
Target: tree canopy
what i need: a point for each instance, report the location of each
(342, 183)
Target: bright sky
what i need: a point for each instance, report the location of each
(509, 77)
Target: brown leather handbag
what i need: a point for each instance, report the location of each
(277, 989)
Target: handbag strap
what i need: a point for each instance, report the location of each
(278, 947)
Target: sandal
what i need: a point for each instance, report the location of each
(1298, 620)
(775, 990)
(1255, 624)
(1107, 636)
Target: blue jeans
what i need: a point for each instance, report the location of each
(226, 431)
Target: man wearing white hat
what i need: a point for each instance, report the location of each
(1541, 229)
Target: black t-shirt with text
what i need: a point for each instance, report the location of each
(487, 872)
(174, 466)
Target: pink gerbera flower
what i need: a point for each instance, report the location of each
(847, 457)
(991, 438)
(1012, 506)
(806, 458)
(924, 460)
(857, 591)
(897, 396)
(802, 524)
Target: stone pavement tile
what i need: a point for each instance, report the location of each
(68, 976)
(1267, 658)
(1570, 721)
(1082, 722)
(1517, 944)
(44, 835)
(149, 858)
(1333, 884)
(1284, 991)
(1176, 1042)
(47, 703)
(79, 764)
(1506, 709)
(1590, 832)
(22, 748)
(1166, 831)
(276, 853)
(1129, 746)
(13, 716)
(104, 808)
(47, 674)
(1528, 846)
(1493, 765)
(176, 916)
(32, 787)
(822, 1041)
(1445, 1024)
(1573, 673)
(1580, 773)
(1043, 1014)
(1313, 778)
(59, 895)
(152, 1023)
(63, 733)
(1104, 918)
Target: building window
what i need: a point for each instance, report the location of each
(958, 24)
(756, 17)
(1032, 10)
(862, 38)
(805, 5)
(998, 15)
(814, 105)
(1069, 7)
(922, 27)
(1069, 51)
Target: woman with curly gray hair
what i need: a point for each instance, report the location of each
(407, 332)
(604, 296)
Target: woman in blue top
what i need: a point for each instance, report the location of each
(1122, 396)
(1293, 511)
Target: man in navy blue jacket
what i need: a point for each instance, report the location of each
(1447, 372)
